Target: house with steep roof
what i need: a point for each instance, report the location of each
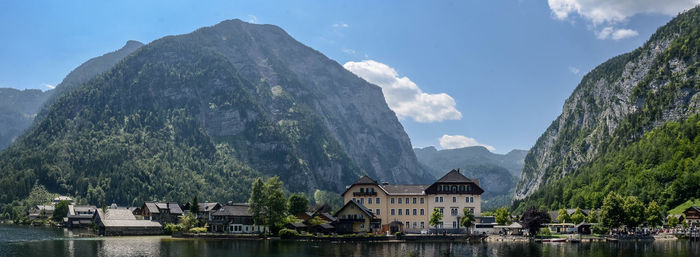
(122, 222)
(411, 205)
(235, 218)
(79, 216)
(161, 212)
(692, 216)
(356, 218)
(206, 209)
(41, 212)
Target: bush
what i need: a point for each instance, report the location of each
(198, 230)
(286, 233)
(171, 228)
(545, 232)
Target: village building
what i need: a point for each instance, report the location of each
(61, 198)
(236, 219)
(206, 209)
(692, 216)
(122, 222)
(161, 212)
(412, 205)
(356, 218)
(79, 216)
(41, 212)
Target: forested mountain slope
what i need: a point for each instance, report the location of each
(593, 146)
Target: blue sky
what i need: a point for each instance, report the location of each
(507, 66)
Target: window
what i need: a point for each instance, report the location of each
(467, 198)
(400, 200)
(354, 199)
(407, 202)
(415, 212)
(415, 224)
(408, 224)
(453, 211)
(454, 188)
(441, 210)
(421, 200)
(392, 200)
(408, 212)
(415, 200)
(469, 188)
(362, 190)
(461, 188)
(377, 200)
(422, 212)
(400, 210)
(441, 199)
(362, 225)
(422, 224)
(369, 200)
(392, 212)
(471, 198)
(437, 199)
(377, 212)
(362, 200)
(454, 224)
(454, 199)
(439, 188)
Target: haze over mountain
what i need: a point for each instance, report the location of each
(18, 108)
(205, 113)
(497, 173)
(630, 126)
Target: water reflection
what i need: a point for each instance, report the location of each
(47, 242)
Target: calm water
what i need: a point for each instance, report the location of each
(28, 241)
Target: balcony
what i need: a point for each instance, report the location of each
(364, 193)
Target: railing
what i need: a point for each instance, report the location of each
(364, 193)
(351, 220)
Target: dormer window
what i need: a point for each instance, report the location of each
(362, 190)
(454, 188)
(461, 188)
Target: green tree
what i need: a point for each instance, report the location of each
(298, 203)
(672, 221)
(60, 211)
(563, 216)
(257, 202)
(684, 224)
(577, 217)
(316, 221)
(634, 212)
(188, 221)
(612, 213)
(194, 207)
(435, 217)
(654, 215)
(502, 216)
(592, 217)
(275, 201)
(467, 219)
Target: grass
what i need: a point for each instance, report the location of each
(682, 207)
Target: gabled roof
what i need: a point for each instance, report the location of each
(365, 180)
(454, 176)
(359, 206)
(156, 207)
(695, 208)
(236, 209)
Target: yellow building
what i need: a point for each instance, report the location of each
(355, 218)
(411, 205)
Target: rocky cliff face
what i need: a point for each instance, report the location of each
(205, 113)
(617, 102)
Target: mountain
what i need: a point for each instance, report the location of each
(204, 114)
(497, 173)
(17, 111)
(639, 99)
(18, 108)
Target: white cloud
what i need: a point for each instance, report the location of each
(403, 96)
(624, 33)
(615, 34)
(48, 86)
(252, 18)
(341, 25)
(607, 13)
(459, 141)
(574, 70)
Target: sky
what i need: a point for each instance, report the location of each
(457, 73)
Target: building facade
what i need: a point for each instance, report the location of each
(412, 205)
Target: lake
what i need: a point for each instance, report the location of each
(33, 241)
